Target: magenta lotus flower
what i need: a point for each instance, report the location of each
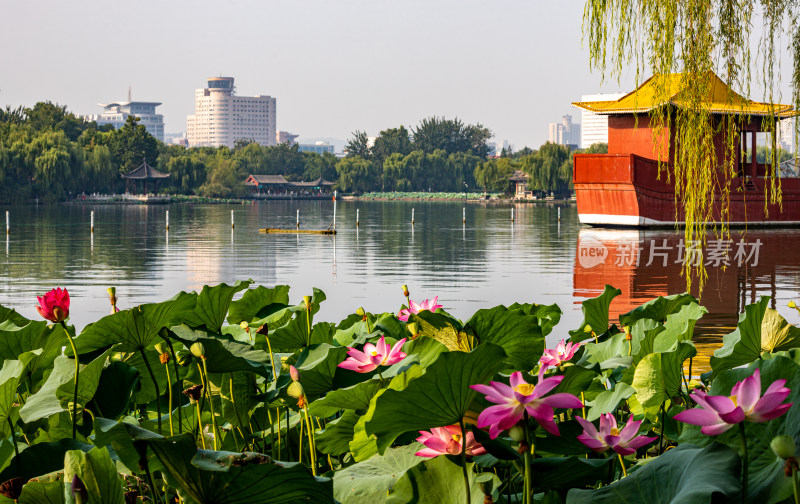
(624, 442)
(512, 401)
(561, 353)
(54, 305)
(428, 304)
(447, 441)
(719, 413)
(372, 356)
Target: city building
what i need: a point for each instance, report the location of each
(319, 147)
(565, 133)
(117, 113)
(594, 127)
(221, 117)
(286, 137)
(787, 134)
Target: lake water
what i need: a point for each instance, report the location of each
(490, 260)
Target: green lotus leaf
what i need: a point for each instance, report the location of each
(595, 315)
(41, 458)
(223, 353)
(607, 402)
(38, 335)
(10, 376)
(335, 439)
(258, 303)
(442, 328)
(356, 397)
(547, 316)
(657, 309)
(208, 477)
(120, 436)
(438, 480)
(687, 474)
(42, 492)
(659, 376)
(371, 481)
(117, 382)
(212, 305)
(512, 330)
(98, 473)
(568, 472)
(440, 397)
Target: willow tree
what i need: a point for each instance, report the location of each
(696, 38)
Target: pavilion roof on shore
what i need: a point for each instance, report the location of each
(145, 172)
(518, 176)
(266, 180)
(314, 183)
(660, 90)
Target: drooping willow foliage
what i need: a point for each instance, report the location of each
(695, 38)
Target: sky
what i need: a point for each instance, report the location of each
(334, 67)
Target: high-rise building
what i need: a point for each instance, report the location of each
(594, 126)
(286, 137)
(787, 134)
(221, 117)
(318, 147)
(117, 113)
(565, 133)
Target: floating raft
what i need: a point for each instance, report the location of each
(298, 231)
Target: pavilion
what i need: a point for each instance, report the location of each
(145, 172)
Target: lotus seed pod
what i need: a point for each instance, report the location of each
(587, 329)
(295, 389)
(485, 482)
(360, 312)
(517, 433)
(12, 488)
(294, 373)
(197, 349)
(79, 492)
(307, 301)
(783, 446)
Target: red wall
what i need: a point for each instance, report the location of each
(626, 136)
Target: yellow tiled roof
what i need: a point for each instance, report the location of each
(721, 99)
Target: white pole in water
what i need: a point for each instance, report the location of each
(463, 215)
(232, 219)
(92, 220)
(512, 214)
(167, 220)
(412, 216)
(298, 218)
(8, 225)
(357, 217)
(559, 214)
(334, 211)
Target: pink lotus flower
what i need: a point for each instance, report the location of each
(624, 442)
(511, 402)
(428, 304)
(447, 440)
(561, 353)
(54, 305)
(373, 356)
(719, 413)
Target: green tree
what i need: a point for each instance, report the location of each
(451, 135)
(358, 145)
(131, 144)
(391, 141)
(357, 174)
(225, 180)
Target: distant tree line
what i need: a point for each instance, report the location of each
(47, 152)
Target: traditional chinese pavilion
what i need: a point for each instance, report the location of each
(144, 173)
(622, 188)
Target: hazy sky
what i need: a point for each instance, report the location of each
(334, 66)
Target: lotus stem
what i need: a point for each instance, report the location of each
(271, 358)
(238, 418)
(743, 435)
(178, 380)
(630, 348)
(74, 409)
(200, 425)
(16, 449)
(308, 323)
(211, 404)
(622, 465)
(169, 388)
(527, 460)
(311, 445)
(795, 486)
(464, 459)
(661, 432)
(155, 384)
(300, 437)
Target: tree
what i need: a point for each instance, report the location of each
(391, 141)
(131, 144)
(358, 145)
(451, 135)
(53, 117)
(597, 148)
(356, 174)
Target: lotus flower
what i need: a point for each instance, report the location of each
(428, 304)
(447, 441)
(511, 402)
(624, 442)
(54, 305)
(373, 356)
(561, 353)
(719, 413)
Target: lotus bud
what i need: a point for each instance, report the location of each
(194, 393)
(792, 304)
(294, 373)
(160, 348)
(486, 483)
(413, 328)
(112, 298)
(295, 389)
(12, 488)
(79, 492)
(284, 365)
(362, 313)
(783, 446)
(517, 433)
(587, 329)
(307, 302)
(198, 350)
(183, 358)
(245, 326)
(628, 333)
(405, 290)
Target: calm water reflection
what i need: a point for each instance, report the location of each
(487, 262)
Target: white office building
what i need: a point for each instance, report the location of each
(565, 133)
(117, 113)
(594, 126)
(787, 134)
(221, 117)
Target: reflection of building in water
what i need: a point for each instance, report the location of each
(648, 264)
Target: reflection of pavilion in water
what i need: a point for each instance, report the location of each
(646, 264)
